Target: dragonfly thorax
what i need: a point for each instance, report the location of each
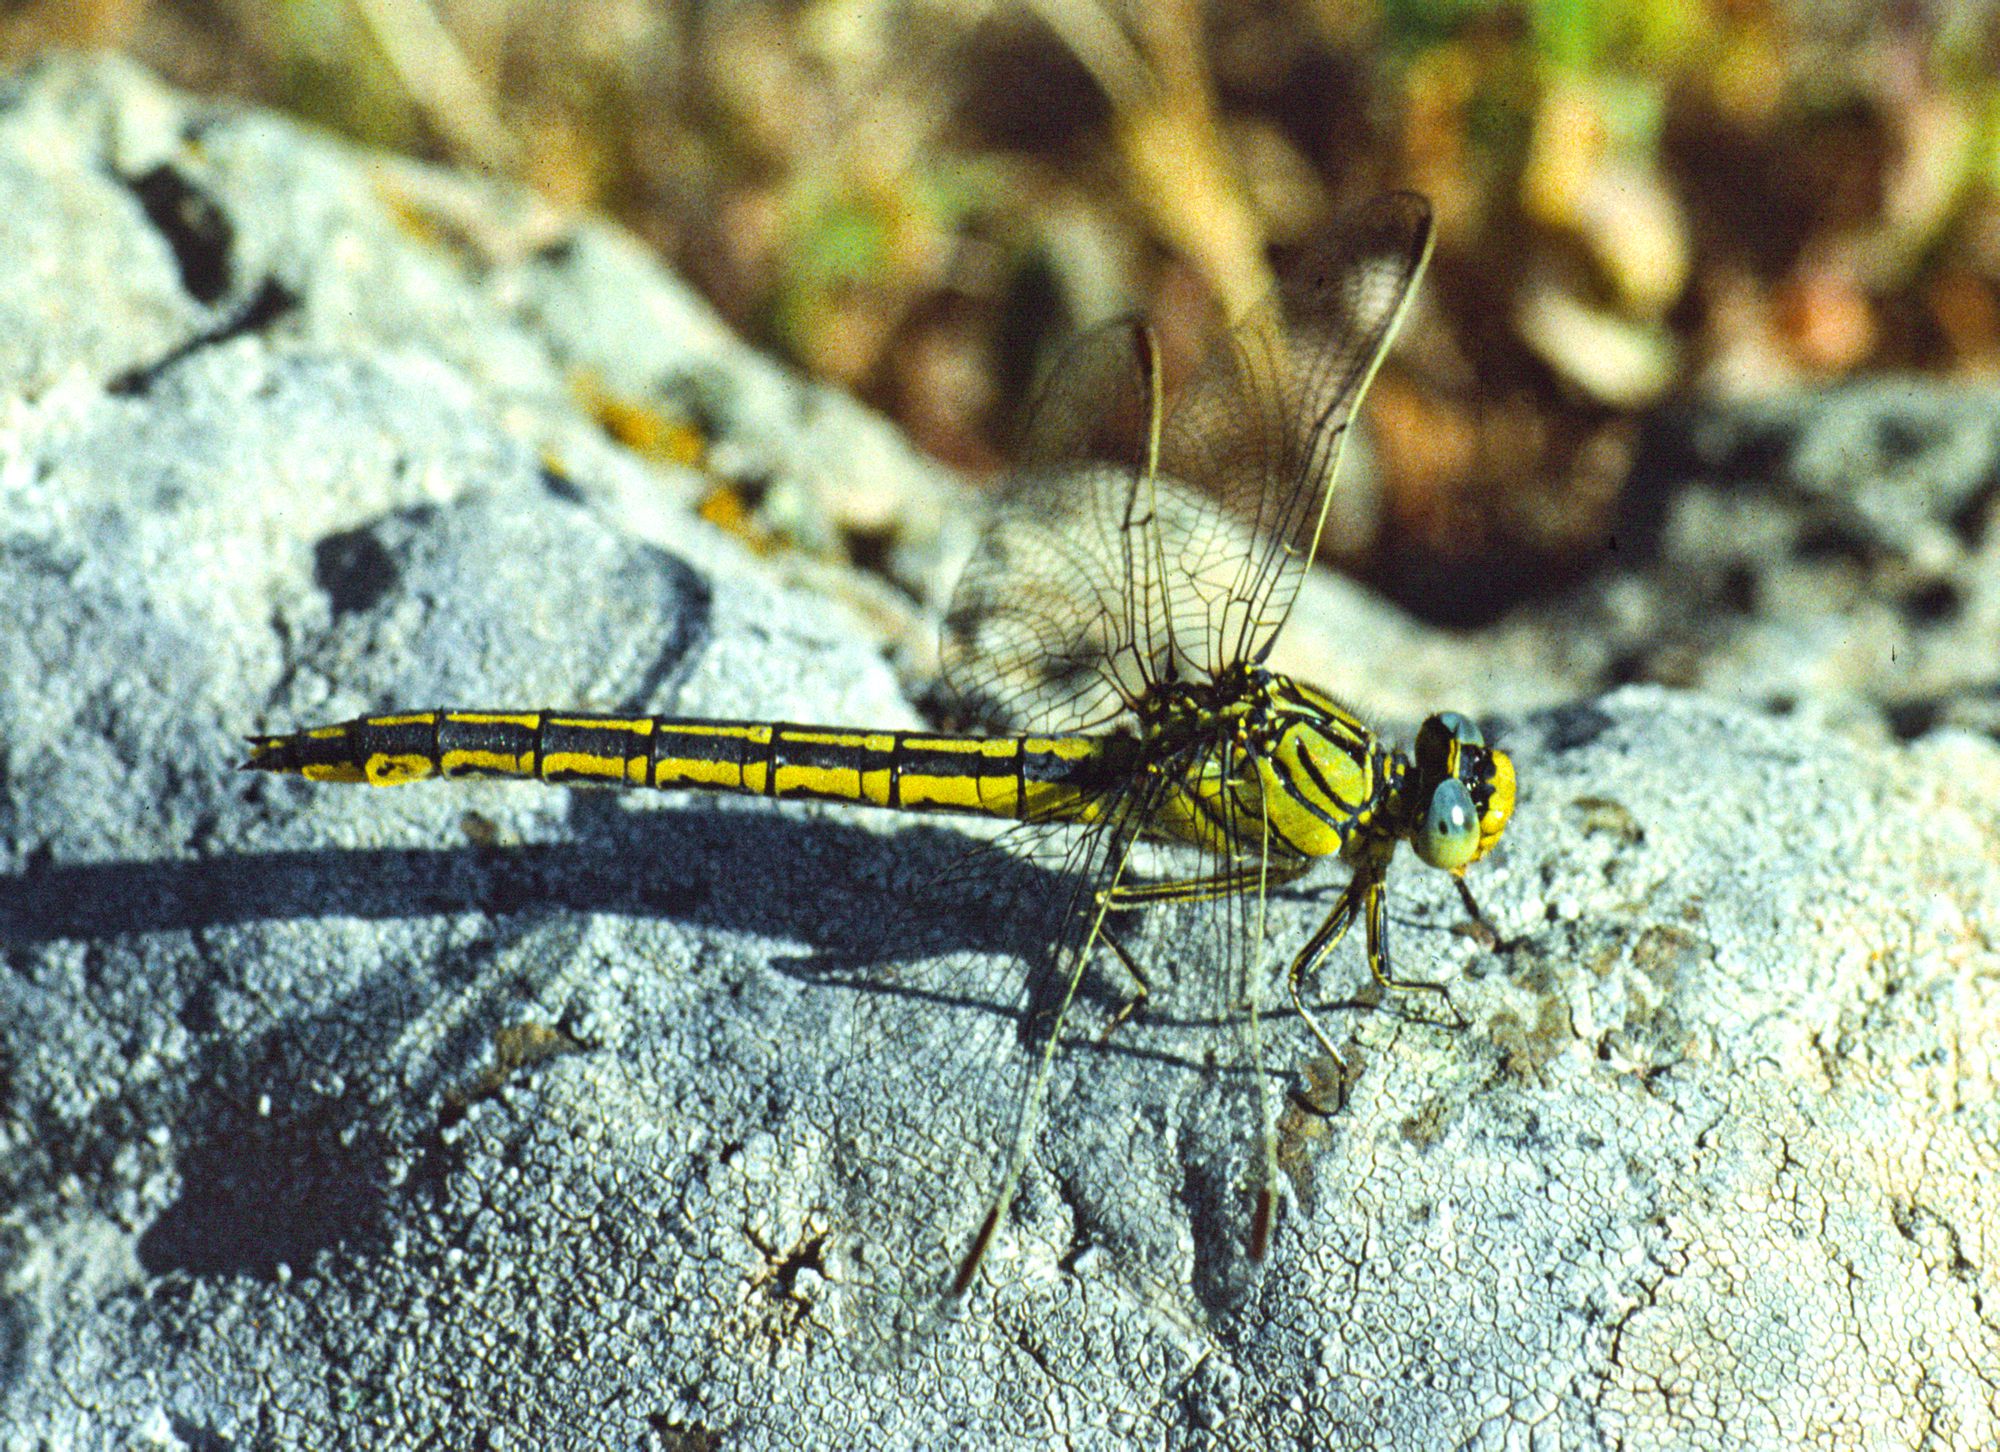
(1253, 762)
(1257, 764)
(1237, 705)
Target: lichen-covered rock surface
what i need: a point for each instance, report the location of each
(507, 1116)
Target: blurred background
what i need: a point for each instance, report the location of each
(1640, 203)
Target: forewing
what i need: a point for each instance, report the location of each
(1136, 545)
(1260, 429)
(1045, 609)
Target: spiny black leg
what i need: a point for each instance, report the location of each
(1336, 1075)
(1490, 934)
(1322, 943)
(1378, 956)
(1138, 1000)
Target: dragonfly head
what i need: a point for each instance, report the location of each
(1464, 793)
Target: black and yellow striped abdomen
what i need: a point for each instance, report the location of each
(1061, 777)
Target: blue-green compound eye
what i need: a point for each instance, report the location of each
(1463, 731)
(1449, 835)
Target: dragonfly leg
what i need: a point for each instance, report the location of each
(1029, 1117)
(1207, 888)
(1138, 1000)
(1378, 954)
(1489, 934)
(1127, 896)
(1322, 943)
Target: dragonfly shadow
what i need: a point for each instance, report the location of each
(864, 903)
(746, 871)
(275, 1167)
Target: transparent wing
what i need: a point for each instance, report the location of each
(1136, 545)
(1261, 428)
(962, 1053)
(947, 1073)
(1221, 1000)
(1215, 965)
(1142, 542)
(1046, 605)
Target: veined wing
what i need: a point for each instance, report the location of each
(1046, 605)
(1212, 966)
(1137, 545)
(952, 1057)
(1144, 539)
(958, 1058)
(1262, 427)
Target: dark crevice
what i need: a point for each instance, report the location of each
(354, 571)
(560, 485)
(261, 1191)
(194, 226)
(1910, 720)
(273, 301)
(1571, 728)
(1936, 603)
(1972, 518)
(1899, 439)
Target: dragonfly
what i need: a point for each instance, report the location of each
(1112, 632)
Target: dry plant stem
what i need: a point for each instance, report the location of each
(440, 81)
(1155, 75)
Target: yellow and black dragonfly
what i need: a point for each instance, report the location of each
(1116, 620)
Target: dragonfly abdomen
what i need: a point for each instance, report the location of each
(1000, 776)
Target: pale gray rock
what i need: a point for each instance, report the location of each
(1834, 551)
(508, 1116)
